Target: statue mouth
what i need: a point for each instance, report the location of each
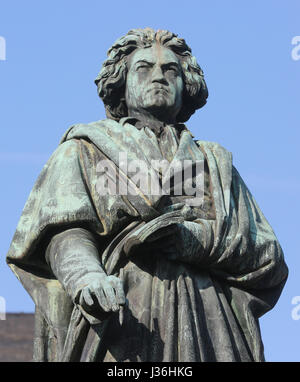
(157, 89)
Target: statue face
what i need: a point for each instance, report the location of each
(154, 83)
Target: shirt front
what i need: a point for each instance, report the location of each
(166, 138)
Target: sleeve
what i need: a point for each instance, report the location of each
(74, 259)
(249, 254)
(242, 249)
(58, 201)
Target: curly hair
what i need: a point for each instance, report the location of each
(112, 78)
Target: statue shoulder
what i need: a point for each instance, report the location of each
(211, 145)
(66, 155)
(218, 150)
(86, 128)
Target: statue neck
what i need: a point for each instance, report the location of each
(153, 122)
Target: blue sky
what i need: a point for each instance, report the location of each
(54, 51)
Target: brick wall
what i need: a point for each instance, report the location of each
(16, 337)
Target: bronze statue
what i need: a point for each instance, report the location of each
(120, 273)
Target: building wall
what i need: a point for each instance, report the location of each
(16, 337)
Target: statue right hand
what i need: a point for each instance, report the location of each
(103, 291)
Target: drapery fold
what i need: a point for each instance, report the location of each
(203, 310)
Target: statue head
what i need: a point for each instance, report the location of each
(152, 71)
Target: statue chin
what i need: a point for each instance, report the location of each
(158, 104)
(161, 111)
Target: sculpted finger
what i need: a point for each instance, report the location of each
(86, 297)
(163, 233)
(111, 298)
(102, 300)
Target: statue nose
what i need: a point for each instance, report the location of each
(158, 75)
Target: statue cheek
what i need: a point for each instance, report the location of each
(141, 76)
(133, 92)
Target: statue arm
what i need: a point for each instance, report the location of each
(74, 260)
(240, 248)
(189, 242)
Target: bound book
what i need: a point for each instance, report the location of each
(153, 230)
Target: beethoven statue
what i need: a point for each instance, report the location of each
(138, 275)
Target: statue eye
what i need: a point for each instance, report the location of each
(143, 68)
(172, 69)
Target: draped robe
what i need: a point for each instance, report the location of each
(204, 308)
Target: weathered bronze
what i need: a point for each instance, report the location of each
(121, 273)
